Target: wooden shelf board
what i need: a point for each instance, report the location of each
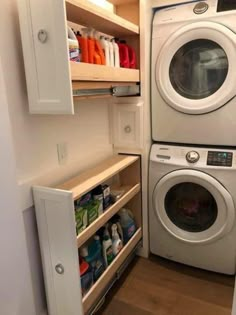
(109, 273)
(88, 14)
(121, 2)
(130, 192)
(89, 72)
(88, 180)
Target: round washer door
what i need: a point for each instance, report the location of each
(195, 72)
(193, 206)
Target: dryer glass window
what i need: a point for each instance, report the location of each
(198, 69)
(191, 207)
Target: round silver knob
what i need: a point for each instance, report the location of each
(192, 156)
(200, 8)
(59, 269)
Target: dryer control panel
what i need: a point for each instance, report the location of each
(194, 157)
(219, 158)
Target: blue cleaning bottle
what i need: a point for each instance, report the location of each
(127, 223)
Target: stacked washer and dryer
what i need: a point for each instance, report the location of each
(192, 173)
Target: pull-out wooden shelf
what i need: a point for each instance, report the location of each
(109, 273)
(86, 13)
(88, 180)
(89, 72)
(58, 240)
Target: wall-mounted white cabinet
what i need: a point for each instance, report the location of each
(52, 80)
(59, 242)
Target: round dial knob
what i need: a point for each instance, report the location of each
(192, 156)
(200, 8)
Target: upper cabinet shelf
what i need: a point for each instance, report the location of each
(89, 72)
(85, 13)
(53, 81)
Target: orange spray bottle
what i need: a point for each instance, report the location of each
(91, 46)
(83, 42)
(99, 57)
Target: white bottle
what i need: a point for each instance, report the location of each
(116, 241)
(111, 53)
(116, 53)
(73, 45)
(106, 49)
(107, 250)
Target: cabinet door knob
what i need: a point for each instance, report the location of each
(42, 36)
(128, 129)
(59, 269)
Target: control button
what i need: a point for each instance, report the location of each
(200, 8)
(192, 156)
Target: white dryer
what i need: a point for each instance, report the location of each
(192, 195)
(194, 74)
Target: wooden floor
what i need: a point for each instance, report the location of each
(160, 287)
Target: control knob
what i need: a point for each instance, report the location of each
(192, 156)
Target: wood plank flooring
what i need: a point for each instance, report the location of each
(157, 286)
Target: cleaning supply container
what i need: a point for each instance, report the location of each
(91, 46)
(92, 254)
(127, 223)
(73, 46)
(99, 54)
(83, 42)
(132, 58)
(116, 241)
(86, 276)
(116, 53)
(105, 47)
(124, 54)
(107, 250)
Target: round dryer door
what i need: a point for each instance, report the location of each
(195, 71)
(193, 206)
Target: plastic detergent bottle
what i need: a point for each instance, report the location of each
(105, 46)
(73, 45)
(132, 58)
(124, 54)
(111, 53)
(83, 42)
(107, 250)
(91, 46)
(127, 224)
(99, 54)
(116, 53)
(92, 254)
(116, 241)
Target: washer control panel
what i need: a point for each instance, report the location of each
(219, 158)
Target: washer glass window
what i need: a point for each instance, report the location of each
(198, 69)
(191, 207)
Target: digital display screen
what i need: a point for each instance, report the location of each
(226, 5)
(215, 158)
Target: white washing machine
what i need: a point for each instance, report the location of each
(194, 74)
(191, 206)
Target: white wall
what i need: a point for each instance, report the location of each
(15, 286)
(32, 147)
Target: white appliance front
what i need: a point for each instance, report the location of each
(191, 206)
(193, 75)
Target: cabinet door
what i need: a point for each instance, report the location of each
(57, 236)
(44, 40)
(128, 125)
